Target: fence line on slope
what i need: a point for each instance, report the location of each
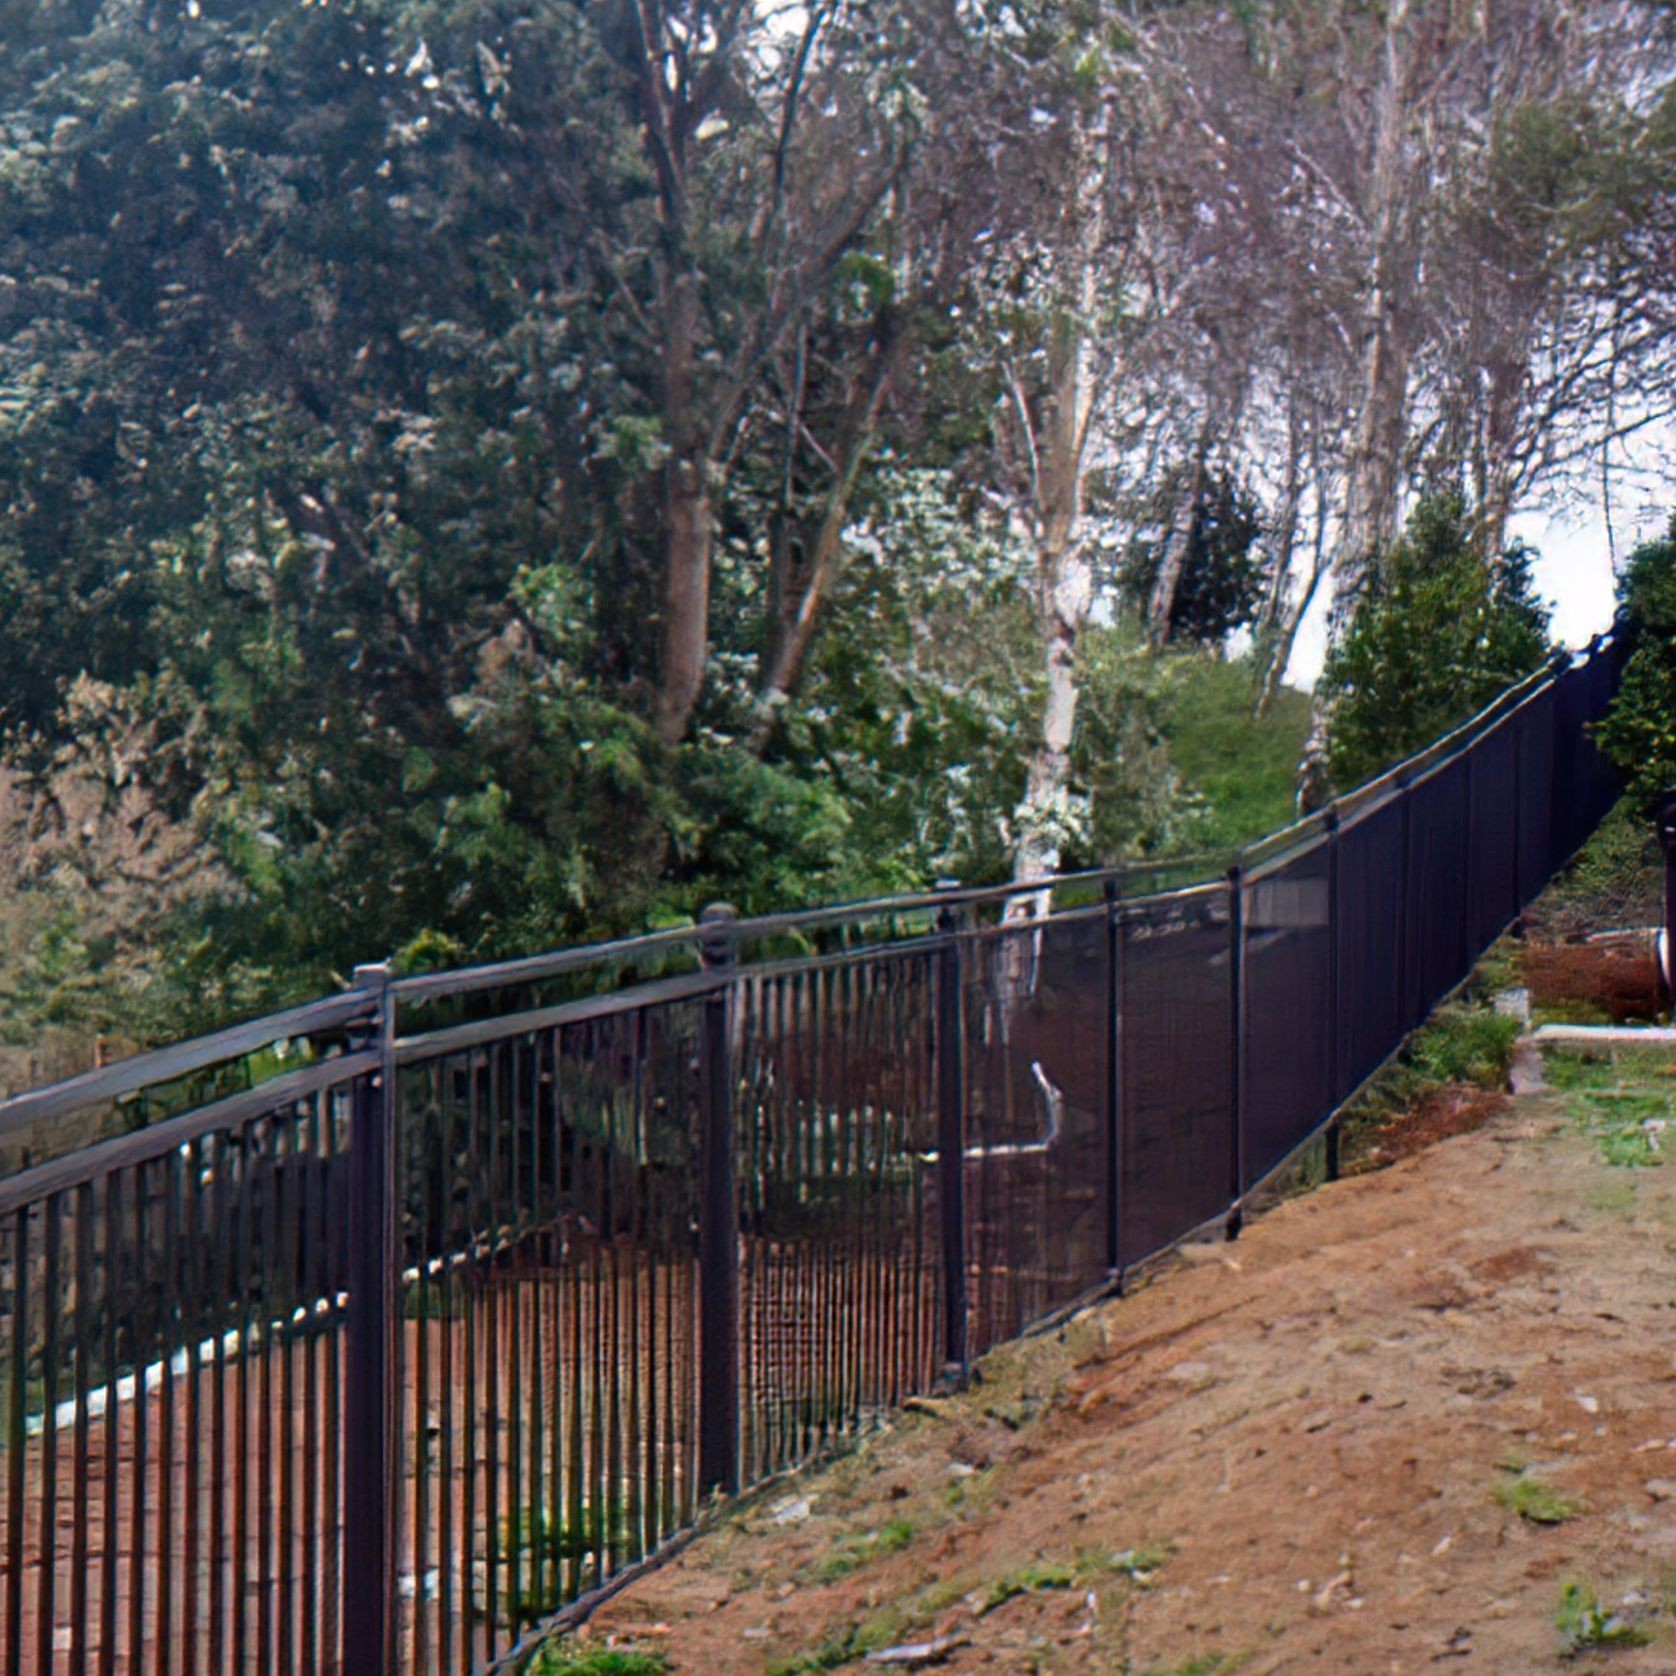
(467, 1311)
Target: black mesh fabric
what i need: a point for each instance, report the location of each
(1368, 926)
(1037, 1152)
(1534, 731)
(1492, 826)
(1437, 949)
(1288, 1022)
(1176, 1114)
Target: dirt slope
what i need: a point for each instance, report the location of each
(1281, 1455)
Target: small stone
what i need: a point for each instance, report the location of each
(1661, 1489)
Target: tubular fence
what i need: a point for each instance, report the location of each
(468, 1306)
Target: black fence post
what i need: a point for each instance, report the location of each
(1236, 1070)
(718, 1241)
(370, 1485)
(949, 1048)
(1335, 1047)
(1113, 892)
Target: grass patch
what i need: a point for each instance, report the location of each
(1535, 1502)
(1243, 769)
(1624, 1099)
(1037, 1578)
(857, 1551)
(559, 1660)
(1587, 1626)
(1203, 1664)
(844, 1646)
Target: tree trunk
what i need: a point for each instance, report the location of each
(1064, 593)
(1173, 565)
(805, 562)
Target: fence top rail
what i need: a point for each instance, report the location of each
(88, 1163)
(533, 969)
(169, 1064)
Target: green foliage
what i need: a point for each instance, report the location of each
(1439, 633)
(560, 1659)
(1587, 1625)
(1464, 1044)
(1225, 574)
(1639, 732)
(1535, 1502)
(1240, 771)
(855, 1552)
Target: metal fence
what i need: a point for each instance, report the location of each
(468, 1307)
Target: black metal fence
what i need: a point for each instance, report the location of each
(500, 1273)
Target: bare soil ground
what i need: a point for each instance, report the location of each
(1283, 1454)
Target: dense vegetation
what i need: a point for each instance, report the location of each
(478, 474)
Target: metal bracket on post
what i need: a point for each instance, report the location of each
(1113, 893)
(371, 1370)
(1236, 997)
(949, 1048)
(1666, 818)
(718, 1240)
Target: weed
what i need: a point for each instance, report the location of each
(1535, 1501)
(856, 1552)
(1586, 1625)
(560, 1660)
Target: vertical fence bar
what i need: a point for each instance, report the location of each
(949, 1052)
(1335, 1051)
(718, 1253)
(1113, 892)
(369, 1457)
(1236, 1068)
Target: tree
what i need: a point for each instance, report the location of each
(1639, 732)
(1437, 634)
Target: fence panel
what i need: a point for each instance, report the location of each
(1176, 1112)
(1436, 874)
(1368, 929)
(1534, 730)
(172, 1344)
(1287, 1016)
(547, 1342)
(840, 1298)
(1037, 1137)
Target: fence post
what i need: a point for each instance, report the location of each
(1335, 1048)
(1236, 998)
(718, 1240)
(1113, 892)
(370, 1485)
(949, 1047)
